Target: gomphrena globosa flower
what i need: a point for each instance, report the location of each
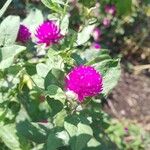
(110, 9)
(24, 34)
(106, 22)
(96, 34)
(96, 46)
(48, 33)
(84, 81)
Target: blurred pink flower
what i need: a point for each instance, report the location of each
(110, 9)
(96, 45)
(106, 22)
(24, 34)
(96, 34)
(85, 81)
(126, 130)
(48, 33)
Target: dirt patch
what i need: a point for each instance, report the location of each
(131, 98)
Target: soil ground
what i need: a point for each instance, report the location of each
(131, 98)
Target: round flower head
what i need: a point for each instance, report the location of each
(24, 34)
(110, 9)
(85, 81)
(48, 33)
(96, 46)
(126, 130)
(96, 34)
(106, 22)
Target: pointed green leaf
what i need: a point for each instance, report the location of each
(8, 53)
(9, 137)
(9, 30)
(84, 35)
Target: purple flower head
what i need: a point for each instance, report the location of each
(96, 34)
(85, 81)
(126, 130)
(110, 9)
(24, 34)
(48, 33)
(96, 46)
(106, 22)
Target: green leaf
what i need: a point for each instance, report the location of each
(33, 20)
(54, 61)
(38, 80)
(55, 76)
(4, 8)
(30, 68)
(109, 68)
(38, 147)
(64, 136)
(53, 142)
(83, 135)
(55, 105)
(111, 71)
(80, 133)
(64, 25)
(70, 128)
(56, 92)
(22, 115)
(147, 2)
(14, 69)
(69, 40)
(31, 102)
(95, 56)
(6, 63)
(32, 131)
(9, 137)
(42, 69)
(111, 77)
(93, 143)
(61, 2)
(84, 35)
(87, 3)
(59, 118)
(57, 139)
(84, 129)
(8, 53)
(9, 31)
(124, 6)
(53, 16)
(54, 5)
(12, 110)
(3, 113)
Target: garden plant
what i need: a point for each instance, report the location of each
(56, 72)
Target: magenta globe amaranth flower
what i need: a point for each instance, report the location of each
(96, 34)
(48, 33)
(126, 129)
(110, 9)
(96, 45)
(106, 22)
(23, 34)
(84, 81)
